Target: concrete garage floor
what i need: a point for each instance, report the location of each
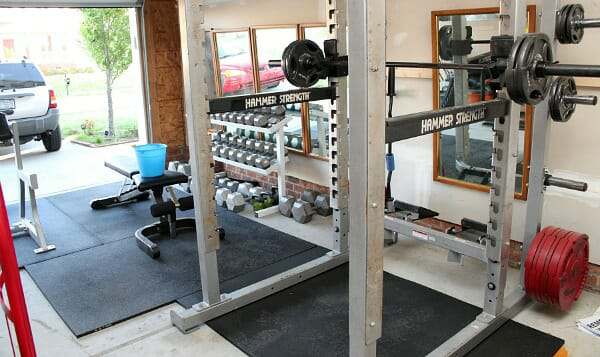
(151, 334)
(72, 167)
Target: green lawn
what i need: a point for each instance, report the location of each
(86, 85)
(83, 84)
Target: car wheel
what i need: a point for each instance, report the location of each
(52, 140)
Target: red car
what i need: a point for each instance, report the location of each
(236, 76)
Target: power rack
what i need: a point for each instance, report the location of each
(198, 109)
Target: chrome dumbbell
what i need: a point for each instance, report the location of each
(231, 140)
(231, 154)
(240, 142)
(269, 148)
(279, 110)
(241, 156)
(250, 144)
(261, 121)
(250, 159)
(259, 146)
(262, 162)
(239, 118)
(223, 151)
(249, 119)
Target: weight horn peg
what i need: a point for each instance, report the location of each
(563, 99)
(571, 22)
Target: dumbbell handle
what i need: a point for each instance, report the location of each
(587, 23)
(573, 70)
(581, 99)
(565, 183)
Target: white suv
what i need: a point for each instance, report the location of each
(26, 99)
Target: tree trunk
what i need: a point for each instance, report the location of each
(111, 123)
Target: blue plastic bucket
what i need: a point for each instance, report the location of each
(151, 159)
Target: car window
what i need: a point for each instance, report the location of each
(19, 75)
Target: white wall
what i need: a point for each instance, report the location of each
(574, 145)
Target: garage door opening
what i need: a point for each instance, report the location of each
(75, 79)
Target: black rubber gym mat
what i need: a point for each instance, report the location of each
(311, 319)
(60, 230)
(108, 225)
(98, 287)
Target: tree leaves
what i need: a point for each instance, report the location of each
(106, 36)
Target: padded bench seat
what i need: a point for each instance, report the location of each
(168, 179)
(125, 165)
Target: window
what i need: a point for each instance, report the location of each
(241, 59)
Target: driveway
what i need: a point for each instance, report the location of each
(73, 167)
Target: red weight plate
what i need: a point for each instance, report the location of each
(539, 269)
(575, 271)
(553, 269)
(556, 269)
(558, 240)
(533, 260)
(529, 280)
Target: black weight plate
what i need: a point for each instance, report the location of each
(303, 63)
(560, 111)
(562, 32)
(444, 39)
(576, 13)
(509, 74)
(525, 86)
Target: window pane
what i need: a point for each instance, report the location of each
(319, 111)
(270, 44)
(235, 63)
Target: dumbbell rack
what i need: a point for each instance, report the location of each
(279, 167)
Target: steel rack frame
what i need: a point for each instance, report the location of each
(197, 109)
(367, 133)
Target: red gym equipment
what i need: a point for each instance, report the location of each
(556, 267)
(16, 310)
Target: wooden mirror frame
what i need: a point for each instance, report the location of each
(532, 24)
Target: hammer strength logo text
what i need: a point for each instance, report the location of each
(447, 121)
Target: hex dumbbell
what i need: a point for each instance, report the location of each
(244, 189)
(302, 211)
(221, 196)
(322, 205)
(235, 202)
(285, 205)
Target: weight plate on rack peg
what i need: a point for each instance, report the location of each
(522, 83)
(561, 110)
(303, 63)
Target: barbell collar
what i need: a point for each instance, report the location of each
(581, 99)
(569, 70)
(566, 183)
(587, 23)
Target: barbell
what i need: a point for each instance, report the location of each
(525, 72)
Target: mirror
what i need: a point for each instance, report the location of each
(463, 156)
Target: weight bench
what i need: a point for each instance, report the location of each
(128, 192)
(137, 188)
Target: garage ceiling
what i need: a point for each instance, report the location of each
(71, 3)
